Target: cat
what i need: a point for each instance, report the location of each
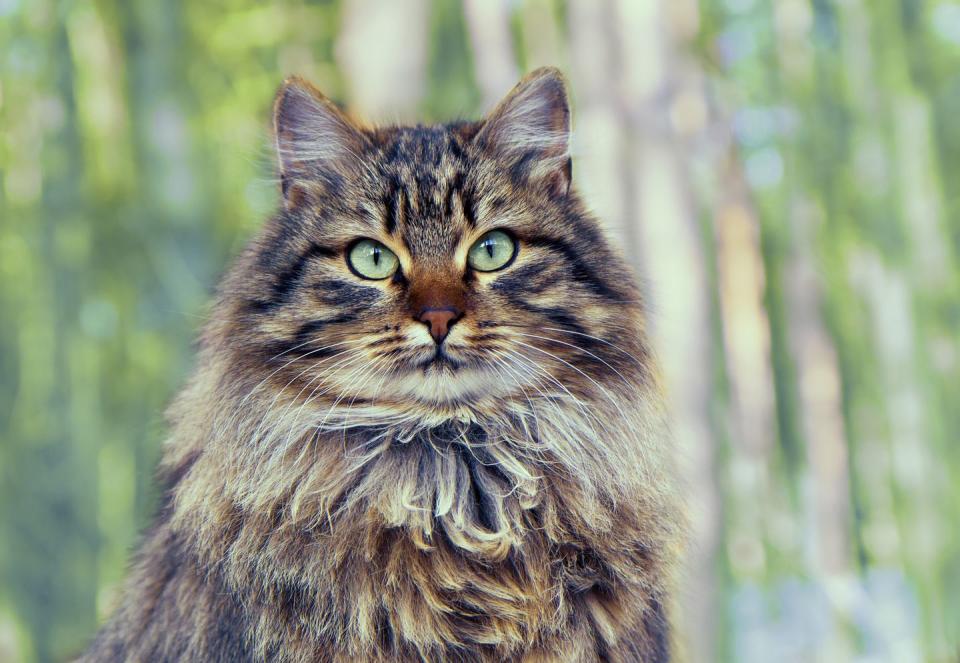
(426, 422)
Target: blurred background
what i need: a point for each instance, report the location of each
(785, 175)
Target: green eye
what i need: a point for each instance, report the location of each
(372, 260)
(491, 252)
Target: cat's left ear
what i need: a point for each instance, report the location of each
(530, 131)
(317, 144)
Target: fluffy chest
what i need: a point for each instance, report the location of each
(385, 593)
(416, 547)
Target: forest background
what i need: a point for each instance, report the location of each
(785, 175)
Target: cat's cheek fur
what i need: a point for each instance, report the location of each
(336, 489)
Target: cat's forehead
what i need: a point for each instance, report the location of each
(423, 173)
(430, 145)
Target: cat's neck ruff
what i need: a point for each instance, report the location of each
(472, 471)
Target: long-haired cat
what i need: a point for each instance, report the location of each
(425, 424)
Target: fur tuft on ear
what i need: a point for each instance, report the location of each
(530, 130)
(315, 142)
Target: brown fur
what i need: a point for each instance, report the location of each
(334, 494)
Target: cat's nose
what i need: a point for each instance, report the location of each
(439, 321)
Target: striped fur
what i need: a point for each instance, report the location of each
(334, 494)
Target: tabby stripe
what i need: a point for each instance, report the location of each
(521, 280)
(340, 293)
(285, 350)
(469, 207)
(308, 331)
(396, 203)
(288, 280)
(453, 145)
(390, 207)
(452, 189)
(581, 272)
(396, 338)
(566, 320)
(562, 317)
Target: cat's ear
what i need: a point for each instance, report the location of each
(316, 143)
(530, 130)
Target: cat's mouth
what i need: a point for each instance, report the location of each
(440, 360)
(452, 374)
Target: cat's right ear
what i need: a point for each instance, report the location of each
(317, 145)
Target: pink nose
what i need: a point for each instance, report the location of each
(439, 320)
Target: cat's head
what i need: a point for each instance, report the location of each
(433, 266)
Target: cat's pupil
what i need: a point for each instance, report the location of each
(489, 248)
(376, 255)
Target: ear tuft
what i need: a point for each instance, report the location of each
(530, 130)
(316, 143)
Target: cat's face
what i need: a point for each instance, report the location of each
(434, 265)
